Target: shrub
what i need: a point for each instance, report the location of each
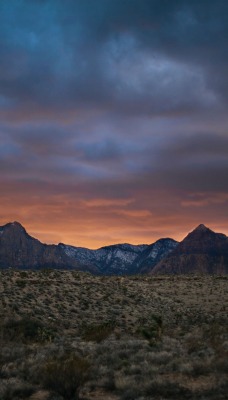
(167, 390)
(65, 375)
(23, 274)
(21, 283)
(97, 333)
(25, 329)
(153, 329)
(14, 389)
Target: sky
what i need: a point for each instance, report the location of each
(113, 118)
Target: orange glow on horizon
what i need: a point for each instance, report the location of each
(94, 238)
(98, 222)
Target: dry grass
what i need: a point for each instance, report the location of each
(143, 337)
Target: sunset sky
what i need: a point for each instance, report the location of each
(113, 118)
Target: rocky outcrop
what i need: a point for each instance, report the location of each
(202, 251)
(19, 250)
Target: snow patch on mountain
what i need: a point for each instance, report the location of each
(123, 258)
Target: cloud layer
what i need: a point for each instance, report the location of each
(113, 122)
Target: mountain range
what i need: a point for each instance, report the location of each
(202, 251)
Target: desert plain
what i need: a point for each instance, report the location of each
(72, 335)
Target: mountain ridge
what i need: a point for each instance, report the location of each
(123, 258)
(20, 250)
(201, 251)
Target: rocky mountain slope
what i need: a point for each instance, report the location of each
(122, 259)
(19, 250)
(202, 251)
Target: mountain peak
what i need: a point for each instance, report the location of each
(201, 251)
(201, 228)
(15, 225)
(14, 228)
(201, 231)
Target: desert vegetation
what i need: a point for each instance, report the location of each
(69, 335)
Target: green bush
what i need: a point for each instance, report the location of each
(65, 375)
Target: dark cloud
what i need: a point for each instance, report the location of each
(150, 57)
(114, 113)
